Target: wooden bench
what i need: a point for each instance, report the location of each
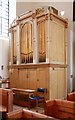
(21, 96)
(60, 109)
(27, 114)
(6, 101)
(71, 96)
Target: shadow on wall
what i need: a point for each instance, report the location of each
(74, 84)
(73, 62)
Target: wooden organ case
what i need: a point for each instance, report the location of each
(38, 54)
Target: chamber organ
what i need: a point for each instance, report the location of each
(39, 52)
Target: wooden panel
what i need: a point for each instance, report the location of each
(23, 79)
(53, 78)
(26, 43)
(13, 75)
(27, 79)
(14, 47)
(53, 83)
(6, 100)
(57, 83)
(32, 79)
(42, 41)
(43, 79)
(57, 43)
(71, 96)
(61, 83)
(61, 109)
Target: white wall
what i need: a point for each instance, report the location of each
(74, 55)
(12, 11)
(4, 45)
(0, 57)
(22, 7)
(4, 42)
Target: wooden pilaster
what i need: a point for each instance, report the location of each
(11, 46)
(18, 45)
(48, 38)
(35, 41)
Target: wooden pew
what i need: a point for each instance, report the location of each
(27, 114)
(60, 109)
(71, 96)
(6, 101)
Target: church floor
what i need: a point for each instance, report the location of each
(16, 107)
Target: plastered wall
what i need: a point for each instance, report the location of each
(4, 46)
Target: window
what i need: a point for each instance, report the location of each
(4, 18)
